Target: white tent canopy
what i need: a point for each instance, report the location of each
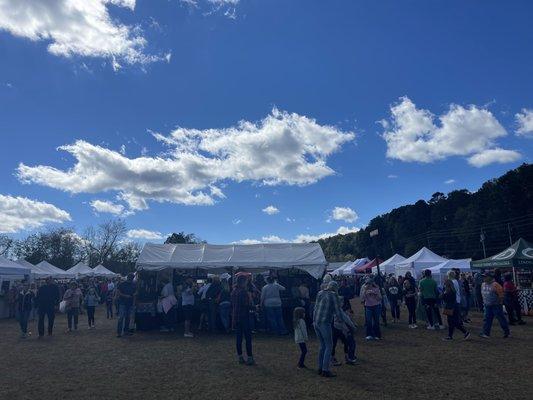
(36, 272)
(80, 270)
(440, 270)
(306, 257)
(389, 265)
(54, 271)
(350, 268)
(11, 270)
(100, 270)
(338, 271)
(422, 259)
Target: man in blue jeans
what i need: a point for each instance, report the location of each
(271, 303)
(125, 295)
(327, 307)
(492, 293)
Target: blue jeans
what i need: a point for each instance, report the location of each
(324, 335)
(372, 315)
(490, 313)
(275, 320)
(123, 323)
(224, 309)
(23, 320)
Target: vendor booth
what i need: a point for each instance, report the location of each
(103, 272)
(367, 268)
(56, 273)
(388, 266)
(517, 259)
(440, 271)
(80, 270)
(10, 274)
(418, 262)
(36, 272)
(338, 270)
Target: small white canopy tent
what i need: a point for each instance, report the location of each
(421, 260)
(339, 270)
(306, 257)
(80, 270)
(10, 270)
(439, 271)
(102, 271)
(55, 272)
(36, 272)
(350, 269)
(389, 265)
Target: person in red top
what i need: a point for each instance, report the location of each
(510, 299)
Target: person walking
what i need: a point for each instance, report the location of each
(393, 291)
(224, 305)
(125, 293)
(429, 294)
(300, 334)
(452, 311)
(72, 297)
(409, 295)
(91, 301)
(510, 299)
(478, 282)
(25, 305)
(110, 295)
(492, 302)
(327, 306)
(187, 306)
(242, 303)
(371, 299)
(46, 300)
(271, 303)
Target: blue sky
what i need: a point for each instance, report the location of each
(352, 108)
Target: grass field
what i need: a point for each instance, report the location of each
(408, 364)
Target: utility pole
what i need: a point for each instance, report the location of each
(482, 240)
(373, 234)
(510, 237)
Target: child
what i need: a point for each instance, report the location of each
(300, 333)
(91, 301)
(344, 330)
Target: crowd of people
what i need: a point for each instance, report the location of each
(245, 304)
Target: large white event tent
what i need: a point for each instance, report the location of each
(350, 269)
(102, 271)
(55, 272)
(80, 270)
(389, 265)
(306, 257)
(10, 270)
(421, 260)
(439, 271)
(36, 272)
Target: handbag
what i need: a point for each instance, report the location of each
(63, 306)
(448, 312)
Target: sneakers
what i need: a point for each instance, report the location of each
(369, 338)
(430, 328)
(482, 335)
(466, 336)
(447, 338)
(437, 327)
(335, 362)
(250, 361)
(302, 366)
(188, 335)
(328, 374)
(350, 361)
(521, 322)
(413, 326)
(505, 336)
(320, 372)
(241, 360)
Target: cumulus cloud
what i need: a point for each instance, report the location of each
(492, 156)
(105, 206)
(302, 238)
(449, 181)
(343, 214)
(283, 148)
(144, 234)
(77, 28)
(19, 213)
(524, 121)
(412, 134)
(270, 210)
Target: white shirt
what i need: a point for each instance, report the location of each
(270, 295)
(203, 290)
(457, 291)
(167, 290)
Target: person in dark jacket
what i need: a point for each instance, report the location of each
(241, 302)
(510, 299)
(47, 299)
(25, 303)
(452, 311)
(211, 295)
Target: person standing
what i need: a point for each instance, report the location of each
(393, 294)
(300, 334)
(452, 311)
(241, 301)
(492, 301)
(478, 282)
(187, 306)
(371, 299)
(429, 294)
(125, 294)
(224, 305)
(211, 295)
(72, 297)
(91, 301)
(271, 303)
(510, 299)
(409, 294)
(327, 306)
(25, 305)
(46, 300)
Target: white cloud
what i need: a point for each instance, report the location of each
(343, 214)
(302, 238)
(123, 149)
(105, 206)
(524, 120)
(281, 149)
(449, 181)
(19, 213)
(288, 219)
(412, 134)
(77, 28)
(144, 234)
(270, 210)
(392, 176)
(236, 221)
(492, 156)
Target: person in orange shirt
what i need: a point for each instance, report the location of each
(492, 293)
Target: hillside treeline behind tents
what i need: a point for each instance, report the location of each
(451, 225)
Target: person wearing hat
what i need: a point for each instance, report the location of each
(492, 300)
(327, 307)
(371, 298)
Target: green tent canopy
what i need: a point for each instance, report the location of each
(519, 255)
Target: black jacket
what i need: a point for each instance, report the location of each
(47, 296)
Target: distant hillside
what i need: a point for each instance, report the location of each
(450, 225)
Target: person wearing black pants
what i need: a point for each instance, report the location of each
(242, 302)
(409, 293)
(90, 315)
(452, 311)
(46, 300)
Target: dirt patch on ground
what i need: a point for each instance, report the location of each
(408, 364)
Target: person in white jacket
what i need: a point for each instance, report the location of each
(300, 334)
